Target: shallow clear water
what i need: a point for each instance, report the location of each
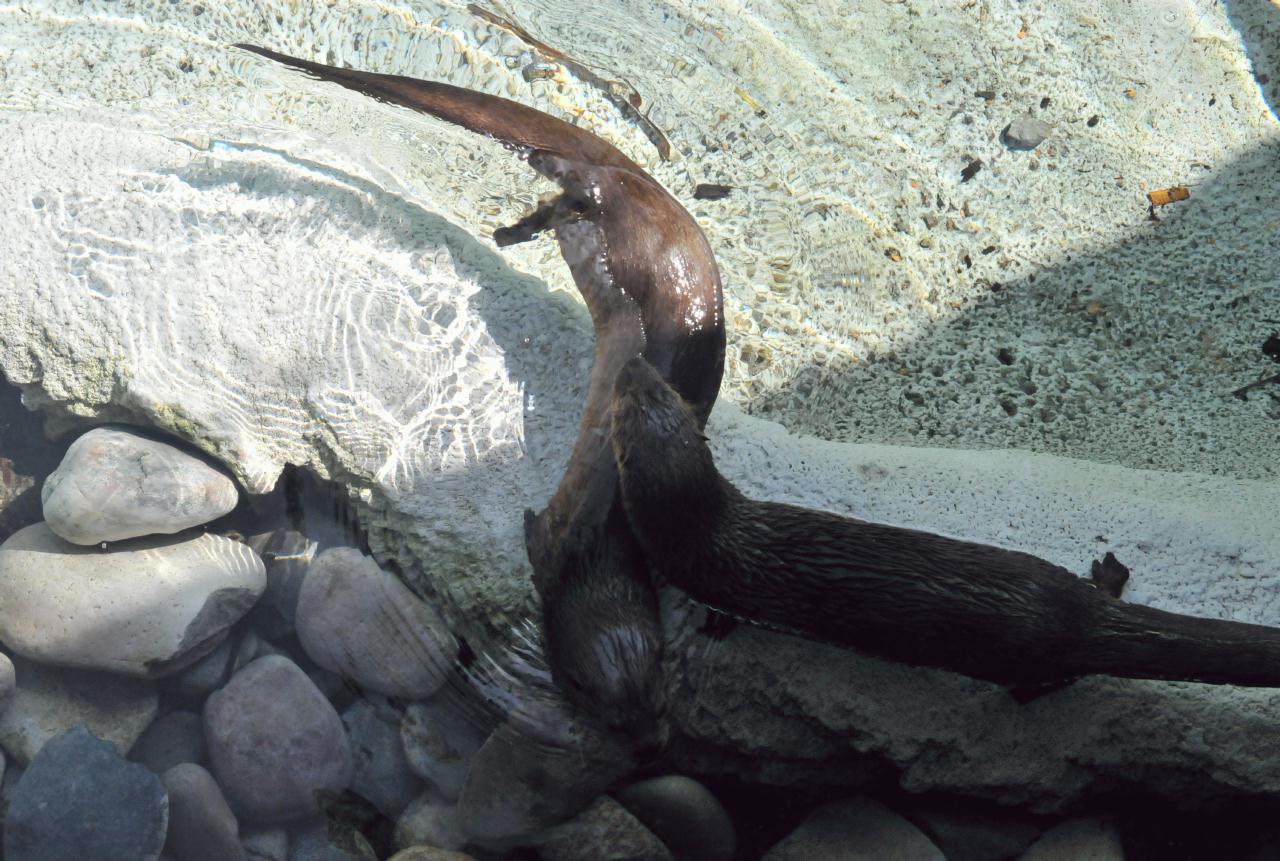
(299, 284)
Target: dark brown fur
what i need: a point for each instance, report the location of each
(910, 596)
(651, 285)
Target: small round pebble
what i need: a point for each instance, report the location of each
(1025, 133)
(201, 824)
(605, 831)
(440, 740)
(80, 799)
(271, 844)
(685, 815)
(170, 740)
(430, 853)
(274, 742)
(382, 773)
(113, 485)
(1078, 840)
(858, 829)
(365, 625)
(429, 821)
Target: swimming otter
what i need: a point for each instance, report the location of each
(910, 596)
(651, 285)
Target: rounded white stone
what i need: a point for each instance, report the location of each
(143, 611)
(113, 485)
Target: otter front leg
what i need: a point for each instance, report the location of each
(546, 215)
(1109, 575)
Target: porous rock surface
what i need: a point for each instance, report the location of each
(379, 337)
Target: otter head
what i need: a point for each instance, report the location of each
(664, 465)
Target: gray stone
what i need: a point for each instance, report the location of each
(1025, 133)
(429, 821)
(519, 785)
(271, 844)
(315, 842)
(80, 799)
(170, 740)
(201, 678)
(274, 742)
(8, 680)
(201, 824)
(855, 830)
(287, 555)
(685, 816)
(440, 739)
(113, 485)
(382, 774)
(364, 624)
(976, 831)
(430, 853)
(51, 700)
(145, 609)
(1078, 840)
(604, 831)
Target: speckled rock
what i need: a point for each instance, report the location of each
(271, 844)
(685, 816)
(519, 785)
(1025, 133)
(51, 700)
(429, 821)
(146, 609)
(80, 799)
(170, 740)
(430, 853)
(440, 740)
(364, 624)
(113, 485)
(275, 741)
(201, 824)
(1077, 840)
(855, 830)
(604, 831)
(382, 773)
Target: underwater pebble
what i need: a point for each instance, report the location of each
(271, 844)
(439, 742)
(143, 611)
(274, 742)
(976, 832)
(429, 821)
(201, 824)
(430, 853)
(113, 485)
(8, 681)
(49, 701)
(364, 624)
(685, 816)
(858, 829)
(80, 799)
(170, 740)
(1026, 132)
(605, 831)
(520, 785)
(1078, 840)
(315, 842)
(382, 774)
(287, 555)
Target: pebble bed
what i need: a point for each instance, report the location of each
(174, 688)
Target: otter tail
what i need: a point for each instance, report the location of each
(510, 122)
(1134, 641)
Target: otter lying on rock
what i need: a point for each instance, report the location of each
(902, 594)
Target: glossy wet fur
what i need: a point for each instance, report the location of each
(910, 596)
(651, 285)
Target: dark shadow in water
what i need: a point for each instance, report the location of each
(1258, 23)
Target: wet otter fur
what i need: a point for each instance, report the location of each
(910, 596)
(651, 285)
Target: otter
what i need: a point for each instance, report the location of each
(652, 288)
(915, 597)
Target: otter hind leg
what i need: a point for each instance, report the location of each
(1109, 575)
(561, 209)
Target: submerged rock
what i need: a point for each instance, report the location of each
(1077, 840)
(364, 624)
(275, 742)
(201, 824)
(80, 799)
(49, 701)
(382, 774)
(855, 830)
(170, 740)
(604, 831)
(113, 485)
(145, 609)
(440, 739)
(685, 816)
